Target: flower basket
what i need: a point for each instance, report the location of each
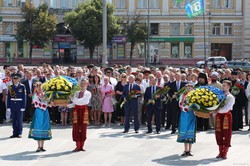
(202, 114)
(60, 102)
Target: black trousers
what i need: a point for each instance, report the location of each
(175, 111)
(157, 114)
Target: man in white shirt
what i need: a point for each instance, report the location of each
(223, 130)
(3, 91)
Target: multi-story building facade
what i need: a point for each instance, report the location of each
(63, 45)
(174, 36)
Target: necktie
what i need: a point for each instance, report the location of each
(153, 91)
(159, 82)
(130, 88)
(81, 94)
(177, 85)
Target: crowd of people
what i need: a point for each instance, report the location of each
(120, 94)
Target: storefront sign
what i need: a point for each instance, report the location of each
(119, 39)
(64, 39)
(7, 38)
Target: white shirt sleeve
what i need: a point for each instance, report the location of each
(82, 101)
(230, 100)
(248, 91)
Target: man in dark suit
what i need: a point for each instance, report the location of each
(28, 83)
(154, 107)
(131, 105)
(174, 105)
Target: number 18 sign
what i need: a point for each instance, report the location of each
(194, 8)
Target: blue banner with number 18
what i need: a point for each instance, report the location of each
(194, 8)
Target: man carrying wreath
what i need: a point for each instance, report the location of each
(131, 103)
(223, 123)
(153, 105)
(80, 115)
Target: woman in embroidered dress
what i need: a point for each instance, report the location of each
(187, 122)
(96, 100)
(107, 107)
(40, 128)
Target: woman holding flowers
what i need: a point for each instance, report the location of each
(40, 128)
(107, 107)
(118, 90)
(187, 129)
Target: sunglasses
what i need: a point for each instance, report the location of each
(108, 72)
(124, 77)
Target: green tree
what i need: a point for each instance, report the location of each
(85, 23)
(37, 27)
(135, 29)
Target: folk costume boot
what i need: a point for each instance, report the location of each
(225, 152)
(220, 155)
(78, 147)
(81, 146)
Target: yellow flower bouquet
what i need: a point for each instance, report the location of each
(205, 99)
(60, 88)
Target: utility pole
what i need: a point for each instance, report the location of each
(148, 42)
(104, 27)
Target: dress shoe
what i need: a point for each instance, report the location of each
(184, 153)
(188, 154)
(148, 132)
(136, 131)
(43, 150)
(83, 150)
(19, 136)
(158, 132)
(38, 150)
(76, 150)
(125, 131)
(173, 132)
(13, 136)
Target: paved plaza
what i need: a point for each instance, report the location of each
(108, 146)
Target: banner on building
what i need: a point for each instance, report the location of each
(194, 8)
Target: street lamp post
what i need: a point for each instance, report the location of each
(104, 27)
(148, 42)
(204, 28)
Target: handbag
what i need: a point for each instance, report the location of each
(113, 101)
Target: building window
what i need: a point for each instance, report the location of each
(154, 28)
(64, 4)
(8, 3)
(20, 48)
(7, 49)
(143, 4)
(175, 29)
(8, 28)
(227, 29)
(188, 28)
(120, 4)
(175, 50)
(74, 3)
(216, 29)
(228, 3)
(188, 50)
(153, 4)
(176, 4)
(216, 4)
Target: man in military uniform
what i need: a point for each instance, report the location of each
(16, 103)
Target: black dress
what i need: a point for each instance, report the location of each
(119, 98)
